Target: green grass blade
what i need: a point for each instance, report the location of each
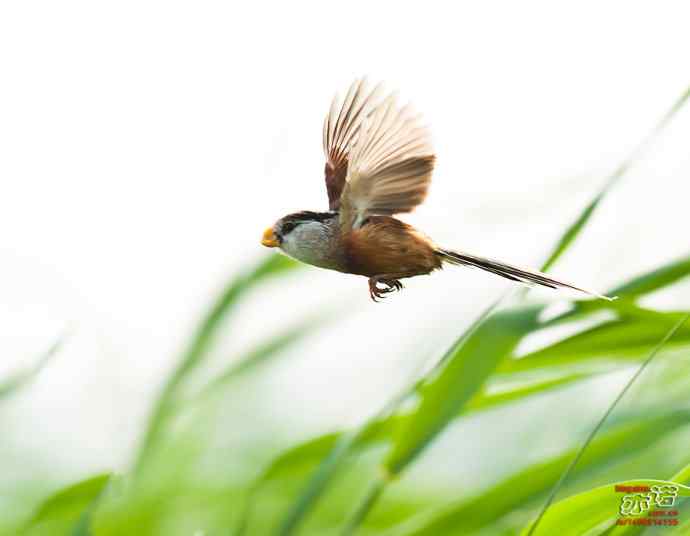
(317, 483)
(654, 280)
(623, 341)
(265, 351)
(16, 382)
(59, 513)
(83, 525)
(306, 455)
(585, 512)
(575, 228)
(365, 505)
(470, 363)
(202, 341)
(573, 231)
(645, 335)
(398, 455)
(601, 422)
(528, 485)
(681, 477)
(640, 285)
(484, 401)
(272, 266)
(291, 461)
(343, 447)
(479, 402)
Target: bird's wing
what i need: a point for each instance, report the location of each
(390, 165)
(340, 130)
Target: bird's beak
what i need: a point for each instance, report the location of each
(269, 239)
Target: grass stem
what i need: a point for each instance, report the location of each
(365, 506)
(603, 419)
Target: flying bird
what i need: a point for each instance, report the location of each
(379, 161)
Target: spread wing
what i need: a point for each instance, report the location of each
(389, 166)
(340, 130)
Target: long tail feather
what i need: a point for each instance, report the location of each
(521, 275)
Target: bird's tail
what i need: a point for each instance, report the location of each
(521, 275)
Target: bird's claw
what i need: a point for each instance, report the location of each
(389, 285)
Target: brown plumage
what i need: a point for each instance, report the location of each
(379, 162)
(385, 245)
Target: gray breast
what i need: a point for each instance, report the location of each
(314, 243)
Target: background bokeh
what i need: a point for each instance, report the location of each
(145, 146)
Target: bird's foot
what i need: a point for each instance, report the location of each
(388, 285)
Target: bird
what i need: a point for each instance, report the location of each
(379, 162)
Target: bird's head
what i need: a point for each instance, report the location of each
(303, 235)
(305, 226)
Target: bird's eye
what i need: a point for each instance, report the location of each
(287, 227)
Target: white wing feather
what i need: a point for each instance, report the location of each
(390, 164)
(343, 122)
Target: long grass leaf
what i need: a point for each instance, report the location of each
(593, 510)
(617, 340)
(12, 385)
(640, 285)
(470, 364)
(265, 351)
(654, 280)
(528, 485)
(327, 469)
(603, 419)
(681, 477)
(202, 340)
(59, 513)
(484, 401)
(578, 225)
(366, 504)
(307, 454)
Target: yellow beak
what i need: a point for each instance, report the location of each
(269, 239)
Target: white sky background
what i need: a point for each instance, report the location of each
(144, 147)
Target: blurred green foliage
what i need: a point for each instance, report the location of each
(357, 481)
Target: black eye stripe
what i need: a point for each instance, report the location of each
(288, 226)
(291, 221)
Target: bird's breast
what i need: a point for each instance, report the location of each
(319, 247)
